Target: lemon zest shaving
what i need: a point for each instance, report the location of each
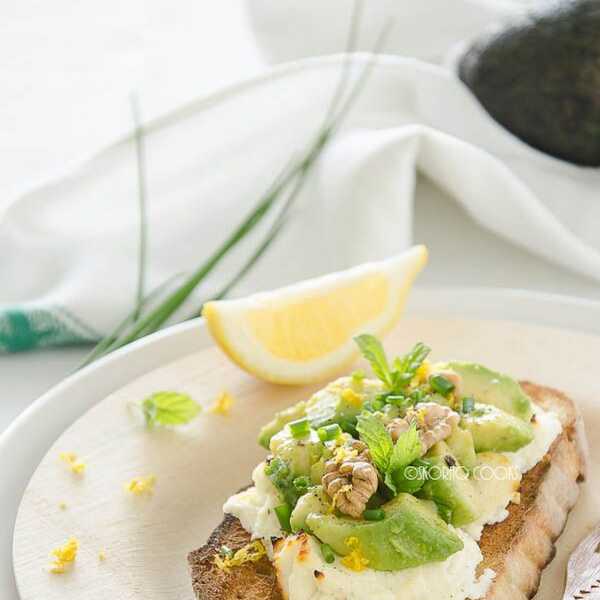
(64, 556)
(352, 398)
(101, 556)
(422, 374)
(62, 505)
(141, 485)
(75, 464)
(355, 561)
(251, 552)
(223, 404)
(344, 453)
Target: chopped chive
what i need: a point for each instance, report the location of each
(300, 428)
(468, 404)
(374, 514)
(329, 432)
(283, 513)
(441, 385)
(328, 553)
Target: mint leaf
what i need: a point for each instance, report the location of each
(397, 379)
(406, 367)
(371, 348)
(374, 434)
(169, 408)
(405, 451)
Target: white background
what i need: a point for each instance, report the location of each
(67, 68)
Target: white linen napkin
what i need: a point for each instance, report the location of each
(68, 249)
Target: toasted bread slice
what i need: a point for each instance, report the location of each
(517, 549)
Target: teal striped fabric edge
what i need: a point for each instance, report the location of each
(41, 327)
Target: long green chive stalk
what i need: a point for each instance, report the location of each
(140, 151)
(282, 192)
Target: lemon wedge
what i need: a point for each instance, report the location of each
(303, 333)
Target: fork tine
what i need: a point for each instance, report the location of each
(583, 570)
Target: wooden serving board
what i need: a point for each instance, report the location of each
(146, 539)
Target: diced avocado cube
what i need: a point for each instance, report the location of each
(494, 430)
(449, 485)
(462, 447)
(410, 535)
(299, 454)
(279, 421)
(491, 387)
(312, 502)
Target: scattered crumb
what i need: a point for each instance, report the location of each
(75, 464)
(62, 505)
(64, 556)
(101, 556)
(223, 404)
(141, 485)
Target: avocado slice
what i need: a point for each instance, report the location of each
(462, 447)
(494, 430)
(491, 387)
(299, 454)
(538, 77)
(410, 535)
(279, 421)
(313, 501)
(449, 486)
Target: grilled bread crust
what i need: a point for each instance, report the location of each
(517, 549)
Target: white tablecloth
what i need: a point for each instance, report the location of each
(72, 102)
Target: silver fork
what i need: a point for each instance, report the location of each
(583, 570)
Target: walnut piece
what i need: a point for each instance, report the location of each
(434, 423)
(351, 482)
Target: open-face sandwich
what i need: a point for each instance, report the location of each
(445, 481)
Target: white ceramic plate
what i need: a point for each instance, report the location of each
(24, 444)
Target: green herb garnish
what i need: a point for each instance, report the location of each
(412, 478)
(396, 377)
(387, 456)
(283, 513)
(300, 428)
(468, 405)
(169, 408)
(328, 553)
(279, 472)
(441, 385)
(406, 449)
(374, 514)
(329, 432)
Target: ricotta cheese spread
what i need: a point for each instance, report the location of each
(254, 507)
(546, 428)
(304, 575)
